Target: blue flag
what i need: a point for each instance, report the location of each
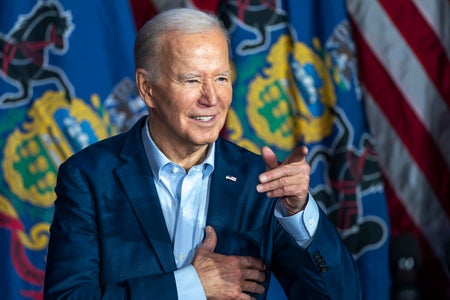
(296, 83)
(66, 81)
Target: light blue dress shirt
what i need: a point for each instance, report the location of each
(184, 202)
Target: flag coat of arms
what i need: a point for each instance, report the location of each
(296, 83)
(66, 81)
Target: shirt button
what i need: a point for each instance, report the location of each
(311, 222)
(174, 170)
(181, 256)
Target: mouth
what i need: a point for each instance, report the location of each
(203, 118)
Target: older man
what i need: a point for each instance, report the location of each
(169, 210)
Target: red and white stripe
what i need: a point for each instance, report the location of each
(404, 54)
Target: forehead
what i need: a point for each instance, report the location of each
(210, 44)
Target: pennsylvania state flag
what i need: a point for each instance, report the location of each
(296, 83)
(67, 80)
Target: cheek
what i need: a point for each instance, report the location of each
(226, 96)
(172, 103)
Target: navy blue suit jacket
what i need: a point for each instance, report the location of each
(108, 238)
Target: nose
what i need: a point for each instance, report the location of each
(209, 95)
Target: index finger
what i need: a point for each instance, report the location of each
(297, 155)
(250, 262)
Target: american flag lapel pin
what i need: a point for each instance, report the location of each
(232, 178)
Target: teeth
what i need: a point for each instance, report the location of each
(203, 118)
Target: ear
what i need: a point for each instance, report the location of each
(144, 87)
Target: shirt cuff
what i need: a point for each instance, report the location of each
(303, 225)
(188, 284)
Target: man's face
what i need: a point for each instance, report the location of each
(191, 98)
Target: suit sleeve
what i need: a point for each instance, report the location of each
(74, 263)
(323, 270)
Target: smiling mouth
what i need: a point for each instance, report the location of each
(203, 118)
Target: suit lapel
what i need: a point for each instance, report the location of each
(226, 186)
(137, 181)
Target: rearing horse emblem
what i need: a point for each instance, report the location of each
(24, 52)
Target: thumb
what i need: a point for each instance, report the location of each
(270, 158)
(210, 241)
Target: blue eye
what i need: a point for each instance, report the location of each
(191, 81)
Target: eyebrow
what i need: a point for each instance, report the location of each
(226, 73)
(188, 76)
(195, 75)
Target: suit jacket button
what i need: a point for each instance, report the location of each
(324, 269)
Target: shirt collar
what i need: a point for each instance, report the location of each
(158, 160)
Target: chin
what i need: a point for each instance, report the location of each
(206, 140)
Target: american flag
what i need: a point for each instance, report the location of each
(403, 51)
(404, 56)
